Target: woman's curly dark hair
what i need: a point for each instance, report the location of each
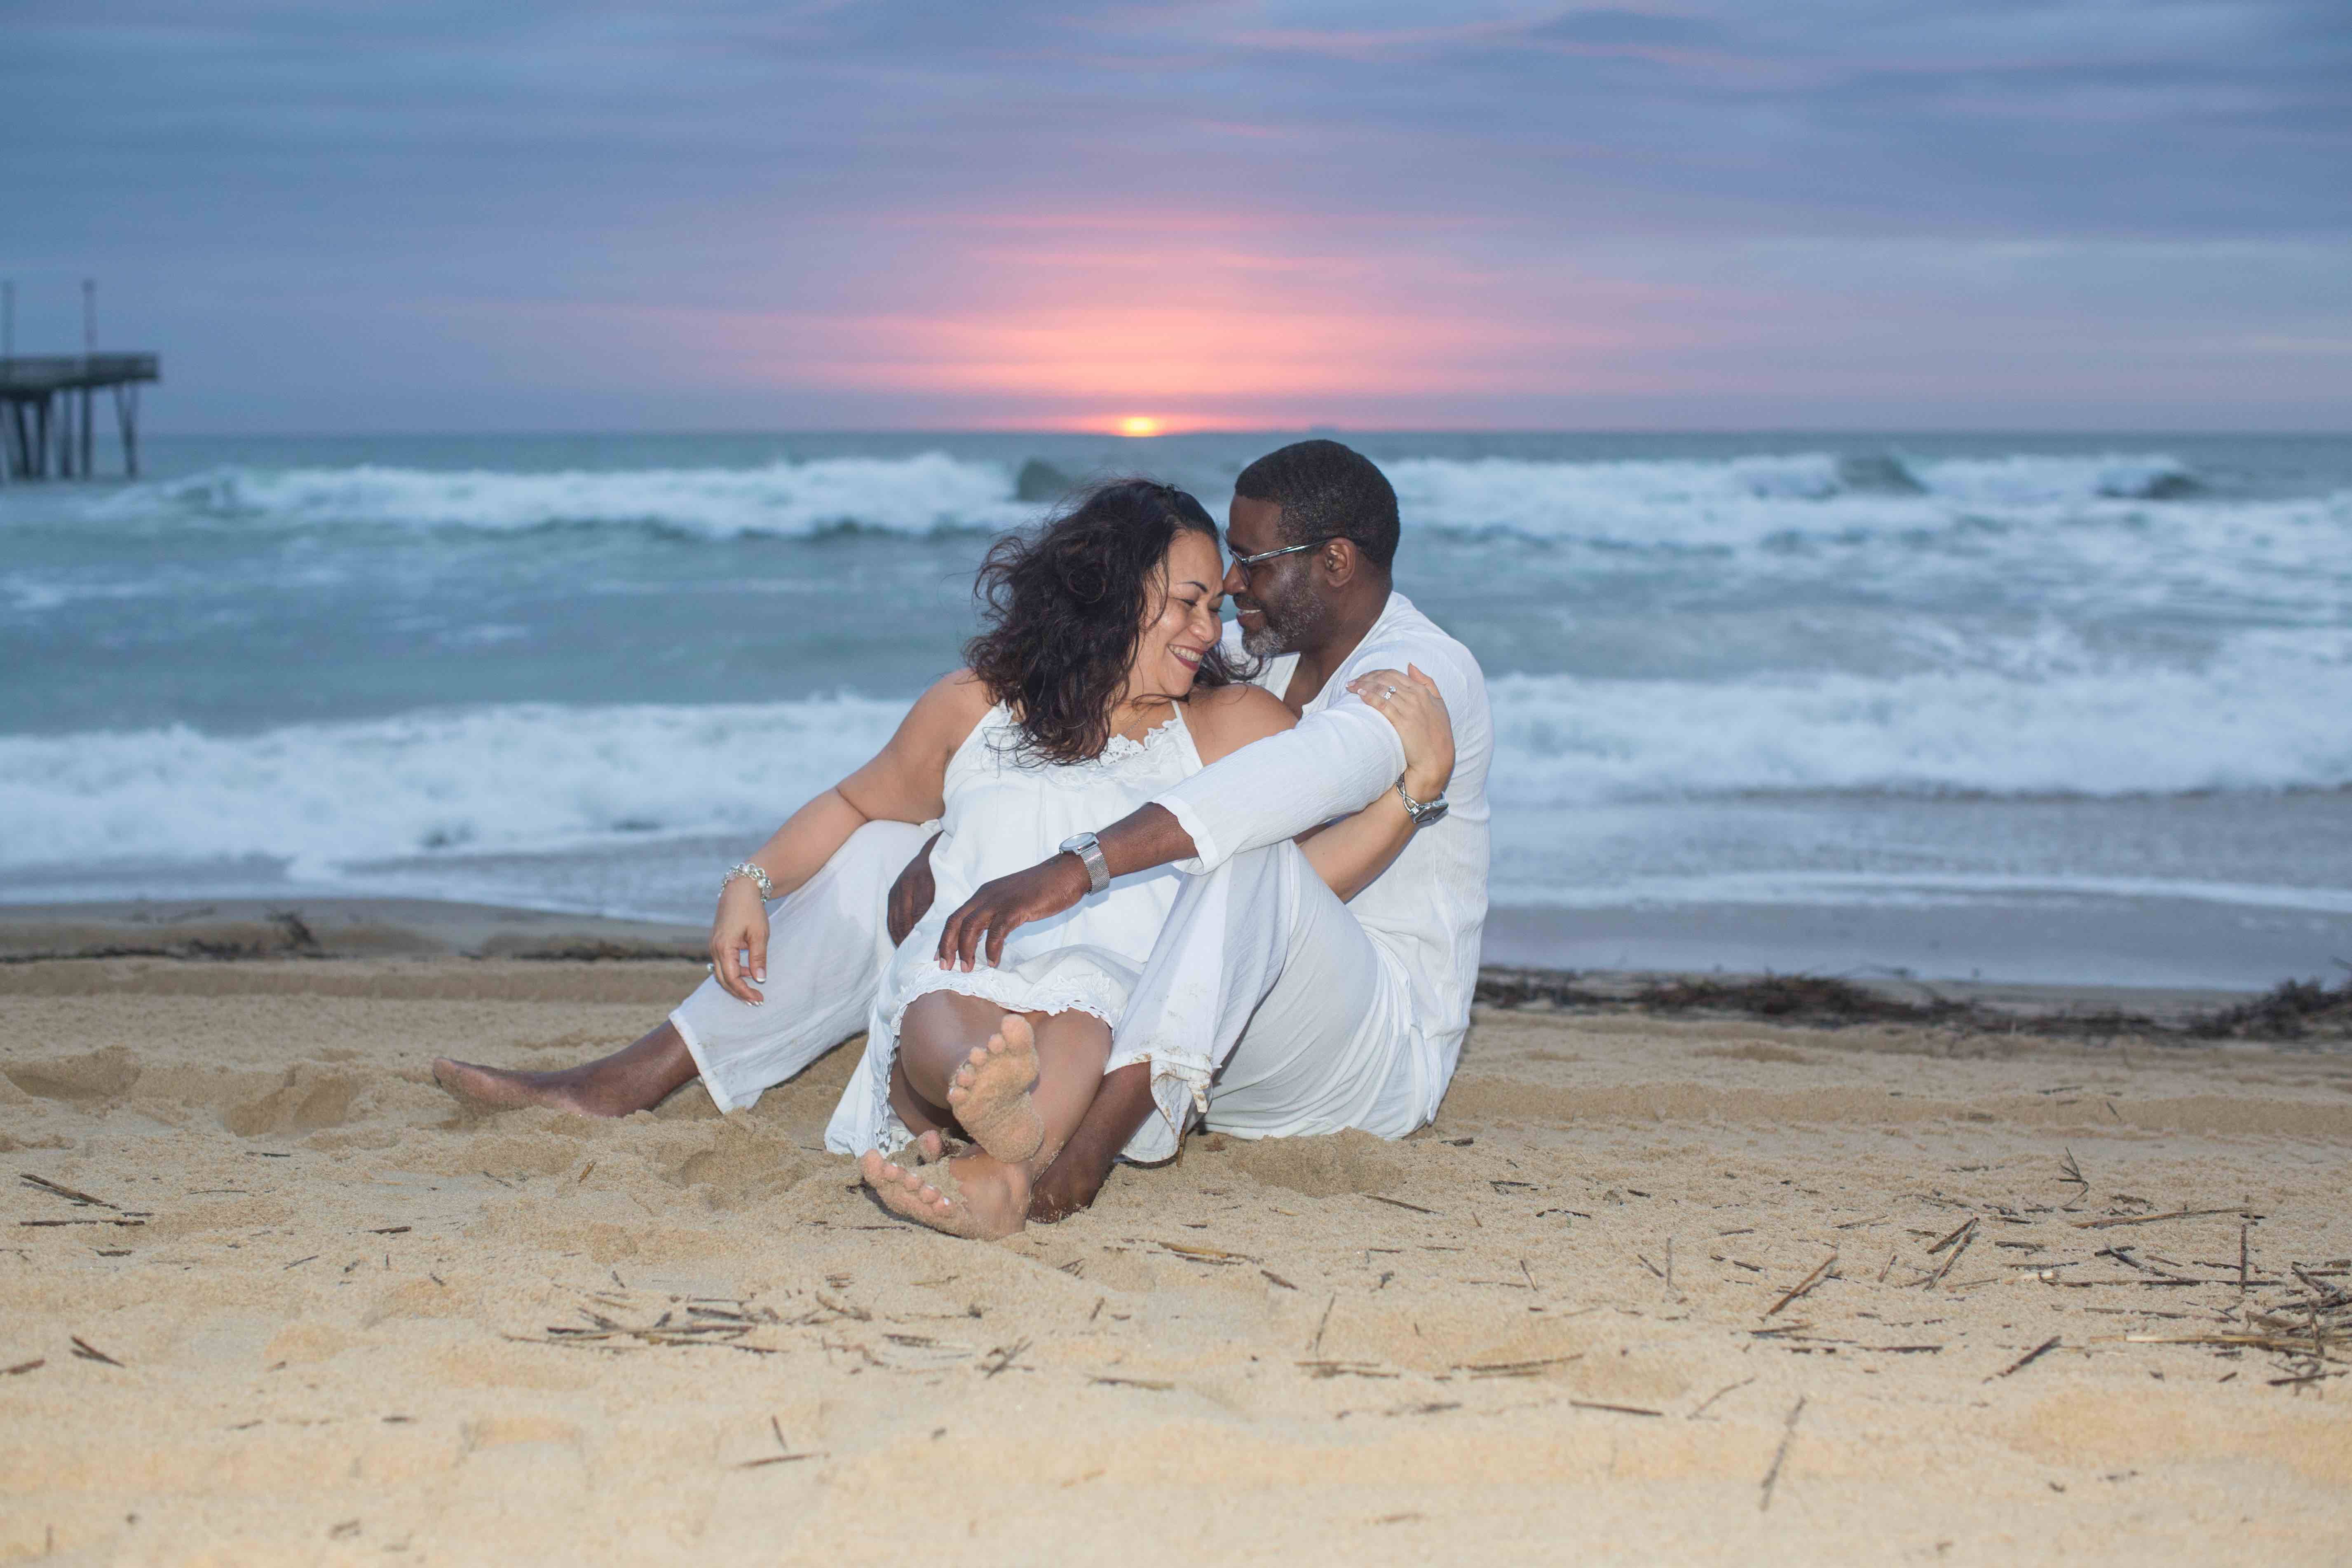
(1062, 609)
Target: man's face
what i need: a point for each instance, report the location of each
(1276, 601)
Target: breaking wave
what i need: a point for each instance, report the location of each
(1678, 503)
(2265, 713)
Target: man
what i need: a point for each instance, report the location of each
(1358, 1008)
(1269, 1008)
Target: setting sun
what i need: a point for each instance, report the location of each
(1139, 424)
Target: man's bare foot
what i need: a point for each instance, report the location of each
(497, 1088)
(637, 1076)
(990, 1093)
(976, 1197)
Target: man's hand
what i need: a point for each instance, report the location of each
(999, 907)
(911, 894)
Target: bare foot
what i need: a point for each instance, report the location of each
(635, 1077)
(928, 1148)
(989, 1093)
(497, 1088)
(975, 1197)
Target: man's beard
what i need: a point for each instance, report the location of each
(1293, 616)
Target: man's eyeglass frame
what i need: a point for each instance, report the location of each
(1246, 561)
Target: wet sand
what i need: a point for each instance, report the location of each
(1650, 1290)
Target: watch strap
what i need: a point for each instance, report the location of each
(1089, 850)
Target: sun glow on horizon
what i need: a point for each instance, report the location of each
(1139, 424)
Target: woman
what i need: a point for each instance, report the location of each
(1099, 681)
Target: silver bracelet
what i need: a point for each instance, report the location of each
(745, 868)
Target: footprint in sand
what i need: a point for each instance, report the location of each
(989, 1094)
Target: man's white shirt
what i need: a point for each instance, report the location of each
(1427, 911)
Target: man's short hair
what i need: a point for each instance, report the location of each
(1326, 491)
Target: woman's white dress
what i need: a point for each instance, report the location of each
(1003, 813)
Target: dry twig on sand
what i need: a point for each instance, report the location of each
(1820, 1272)
(1788, 1435)
(2029, 1357)
(2116, 1220)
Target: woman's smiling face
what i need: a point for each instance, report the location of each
(1188, 589)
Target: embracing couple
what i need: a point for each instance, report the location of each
(1122, 873)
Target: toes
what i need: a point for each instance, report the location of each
(881, 1173)
(931, 1145)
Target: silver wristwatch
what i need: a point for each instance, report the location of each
(1422, 811)
(1088, 850)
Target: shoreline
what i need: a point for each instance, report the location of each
(245, 930)
(296, 926)
(2061, 944)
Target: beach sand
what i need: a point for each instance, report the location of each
(1650, 1290)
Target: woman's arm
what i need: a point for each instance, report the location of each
(905, 781)
(1351, 853)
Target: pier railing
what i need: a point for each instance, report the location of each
(33, 375)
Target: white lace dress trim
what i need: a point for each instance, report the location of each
(1013, 993)
(1005, 812)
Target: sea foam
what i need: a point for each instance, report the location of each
(910, 495)
(1731, 502)
(508, 777)
(1684, 501)
(2264, 713)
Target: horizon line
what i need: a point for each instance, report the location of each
(1305, 431)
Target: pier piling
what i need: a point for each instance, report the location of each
(48, 403)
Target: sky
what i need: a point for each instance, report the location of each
(2107, 215)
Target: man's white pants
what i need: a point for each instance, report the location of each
(1263, 991)
(1267, 1008)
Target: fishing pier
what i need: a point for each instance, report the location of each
(48, 403)
(48, 424)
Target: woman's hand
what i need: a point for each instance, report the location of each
(740, 927)
(1411, 702)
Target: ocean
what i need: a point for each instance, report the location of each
(2016, 708)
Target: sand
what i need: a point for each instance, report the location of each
(317, 1314)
